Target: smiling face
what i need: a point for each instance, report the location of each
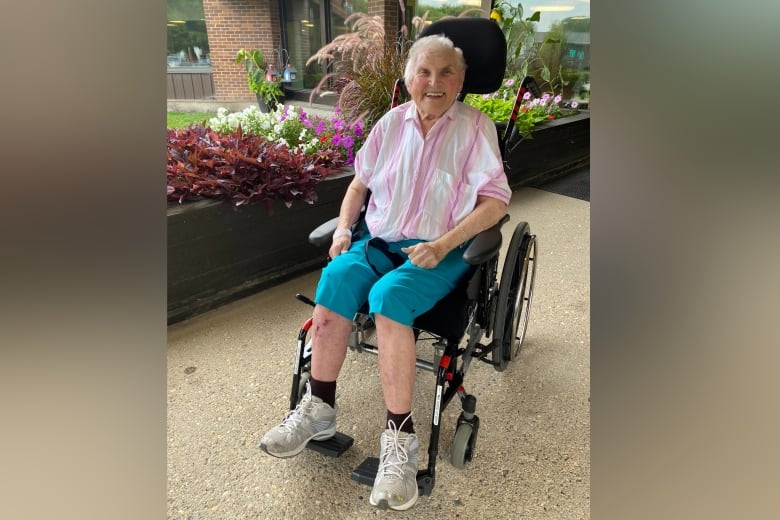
(437, 77)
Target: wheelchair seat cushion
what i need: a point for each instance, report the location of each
(449, 317)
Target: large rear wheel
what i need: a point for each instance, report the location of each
(515, 293)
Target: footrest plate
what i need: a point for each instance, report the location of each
(366, 472)
(334, 446)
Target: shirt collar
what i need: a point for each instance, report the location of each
(411, 111)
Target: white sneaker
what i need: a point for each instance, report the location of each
(395, 485)
(312, 419)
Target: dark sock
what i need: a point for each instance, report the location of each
(325, 390)
(399, 419)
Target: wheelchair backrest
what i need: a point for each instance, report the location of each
(484, 49)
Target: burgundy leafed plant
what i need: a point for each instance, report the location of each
(242, 167)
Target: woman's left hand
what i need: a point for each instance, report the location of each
(426, 255)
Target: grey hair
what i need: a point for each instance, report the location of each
(433, 44)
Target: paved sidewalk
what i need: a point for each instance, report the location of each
(229, 375)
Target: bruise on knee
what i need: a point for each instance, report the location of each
(321, 325)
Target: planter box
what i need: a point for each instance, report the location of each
(557, 147)
(218, 253)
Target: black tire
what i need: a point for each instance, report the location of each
(515, 293)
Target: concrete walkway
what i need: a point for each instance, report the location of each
(229, 375)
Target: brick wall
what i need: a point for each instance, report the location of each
(232, 25)
(254, 24)
(388, 10)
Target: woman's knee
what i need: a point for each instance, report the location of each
(324, 321)
(392, 301)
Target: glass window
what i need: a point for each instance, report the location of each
(555, 49)
(309, 27)
(188, 44)
(432, 10)
(305, 35)
(340, 10)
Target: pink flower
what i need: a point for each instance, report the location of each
(509, 82)
(527, 95)
(557, 98)
(574, 104)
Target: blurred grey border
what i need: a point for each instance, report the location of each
(684, 252)
(82, 376)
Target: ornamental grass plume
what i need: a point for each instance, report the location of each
(365, 65)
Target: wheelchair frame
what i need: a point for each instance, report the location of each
(498, 310)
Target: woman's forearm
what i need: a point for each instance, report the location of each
(486, 213)
(351, 204)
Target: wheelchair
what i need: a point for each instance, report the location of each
(481, 306)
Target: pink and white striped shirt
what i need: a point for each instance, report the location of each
(423, 187)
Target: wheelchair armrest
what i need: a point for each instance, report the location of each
(323, 234)
(485, 245)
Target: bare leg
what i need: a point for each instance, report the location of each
(331, 334)
(397, 357)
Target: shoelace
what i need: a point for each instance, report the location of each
(394, 457)
(294, 417)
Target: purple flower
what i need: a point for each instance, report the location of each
(308, 123)
(320, 128)
(509, 82)
(336, 139)
(527, 96)
(347, 142)
(357, 129)
(574, 104)
(557, 98)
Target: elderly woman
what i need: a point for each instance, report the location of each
(436, 179)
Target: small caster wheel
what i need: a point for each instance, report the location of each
(463, 445)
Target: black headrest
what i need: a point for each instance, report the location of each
(484, 48)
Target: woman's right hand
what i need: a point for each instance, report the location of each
(339, 245)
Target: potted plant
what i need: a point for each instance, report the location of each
(268, 93)
(244, 191)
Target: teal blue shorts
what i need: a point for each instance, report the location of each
(401, 293)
